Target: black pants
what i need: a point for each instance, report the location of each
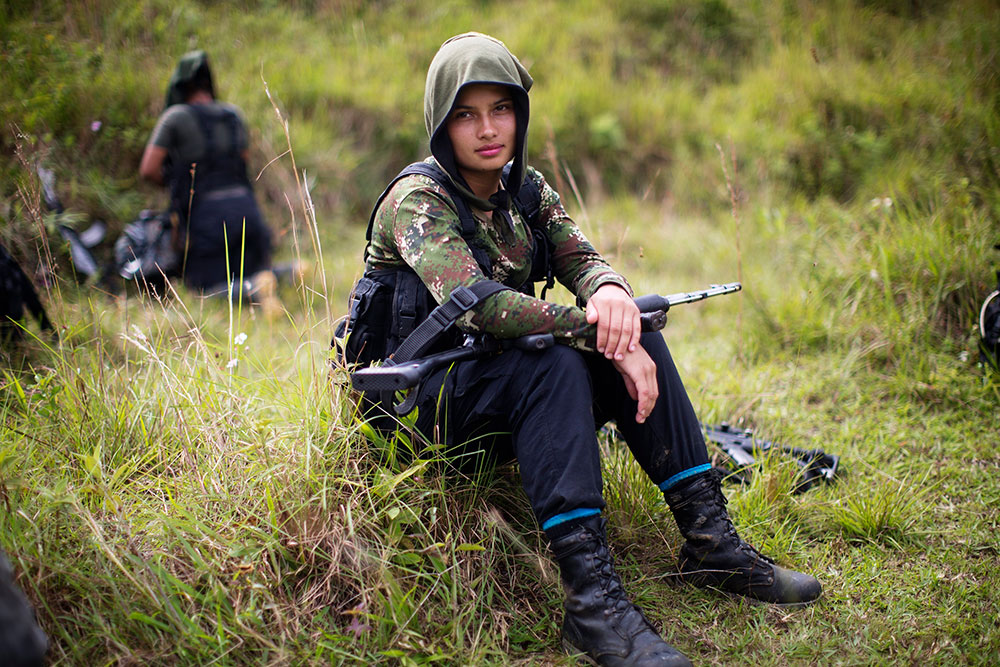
(544, 408)
(216, 234)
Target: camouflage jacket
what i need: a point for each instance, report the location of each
(418, 226)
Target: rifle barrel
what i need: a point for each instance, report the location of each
(653, 302)
(713, 290)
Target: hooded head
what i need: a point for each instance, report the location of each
(474, 58)
(192, 74)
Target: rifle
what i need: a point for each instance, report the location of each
(814, 464)
(79, 243)
(391, 377)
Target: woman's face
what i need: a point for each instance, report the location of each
(482, 127)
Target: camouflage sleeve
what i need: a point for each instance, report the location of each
(427, 236)
(576, 263)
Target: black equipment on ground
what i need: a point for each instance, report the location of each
(17, 294)
(989, 327)
(744, 449)
(145, 251)
(79, 243)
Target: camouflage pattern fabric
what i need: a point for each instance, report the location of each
(418, 226)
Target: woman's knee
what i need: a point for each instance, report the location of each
(655, 346)
(557, 376)
(558, 360)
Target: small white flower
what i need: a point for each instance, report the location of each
(884, 203)
(232, 363)
(963, 355)
(240, 338)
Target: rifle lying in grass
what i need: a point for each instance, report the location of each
(79, 243)
(814, 464)
(396, 377)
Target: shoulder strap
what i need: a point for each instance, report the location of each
(461, 300)
(219, 115)
(215, 169)
(423, 168)
(528, 200)
(465, 217)
(529, 203)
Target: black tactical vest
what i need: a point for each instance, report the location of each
(217, 169)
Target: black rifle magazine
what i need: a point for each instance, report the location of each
(743, 450)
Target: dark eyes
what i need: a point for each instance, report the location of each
(501, 108)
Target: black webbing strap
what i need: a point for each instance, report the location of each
(461, 300)
(528, 202)
(465, 217)
(528, 199)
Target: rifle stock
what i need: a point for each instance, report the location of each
(409, 374)
(396, 377)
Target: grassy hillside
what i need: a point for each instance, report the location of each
(184, 482)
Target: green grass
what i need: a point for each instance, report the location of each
(173, 492)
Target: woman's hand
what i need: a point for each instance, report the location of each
(639, 372)
(617, 318)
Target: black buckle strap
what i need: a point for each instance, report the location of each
(464, 298)
(461, 300)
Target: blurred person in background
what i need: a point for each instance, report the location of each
(199, 149)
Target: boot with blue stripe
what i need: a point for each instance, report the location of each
(601, 624)
(714, 556)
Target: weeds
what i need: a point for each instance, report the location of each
(185, 482)
(889, 511)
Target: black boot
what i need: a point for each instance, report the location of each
(715, 556)
(600, 622)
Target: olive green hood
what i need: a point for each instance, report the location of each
(191, 66)
(474, 58)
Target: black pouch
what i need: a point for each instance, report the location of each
(361, 337)
(385, 307)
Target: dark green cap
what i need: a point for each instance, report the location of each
(190, 67)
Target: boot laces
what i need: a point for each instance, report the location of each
(613, 589)
(611, 583)
(719, 501)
